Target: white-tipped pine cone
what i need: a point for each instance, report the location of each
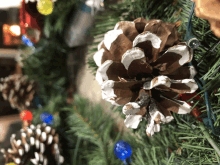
(142, 66)
(18, 90)
(39, 144)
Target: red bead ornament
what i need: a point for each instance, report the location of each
(196, 112)
(188, 96)
(26, 115)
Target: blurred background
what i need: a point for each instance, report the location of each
(26, 29)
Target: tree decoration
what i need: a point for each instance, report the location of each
(38, 144)
(45, 7)
(26, 117)
(31, 20)
(209, 10)
(18, 90)
(27, 41)
(141, 67)
(123, 151)
(47, 118)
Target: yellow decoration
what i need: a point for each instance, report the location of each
(45, 7)
(11, 164)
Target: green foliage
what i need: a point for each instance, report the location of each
(48, 67)
(206, 62)
(151, 9)
(89, 134)
(185, 133)
(56, 22)
(93, 127)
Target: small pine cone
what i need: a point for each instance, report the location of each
(39, 144)
(18, 90)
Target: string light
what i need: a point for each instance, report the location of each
(15, 30)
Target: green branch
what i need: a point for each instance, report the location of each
(208, 137)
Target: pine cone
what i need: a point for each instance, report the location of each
(18, 91)
(141, 67)
(39, 144)
(209, 10)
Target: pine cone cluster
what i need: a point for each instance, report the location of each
(18, 90)
(39, 144)
(143, 66)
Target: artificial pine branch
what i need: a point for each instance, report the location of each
(206, 57)
(182, 135)
(208, 137)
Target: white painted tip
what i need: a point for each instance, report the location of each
(2, 150)
(157, 128)
(34, 161)
(37, 156)
(169, 119)
(18, 142)
(37, 144)
(29, 131)
(132, 121)
(41, 157)
(185, 108)
(32, 126)
(38, 131)
(131, 108)
(191, 83)
(148, 36)
(61, 159)
(26, 147)
(21, 152)
(47, 129)
(101, 72)
(17, 160)
(161, 80)
(23, 135)
(182, 50)
(32, 141)
(98, 57)
(193, 72)
(44, 136)
(42, 147)
(131, 55)
(107, 90)
(45, 161)
(110, 37)
(50, 139)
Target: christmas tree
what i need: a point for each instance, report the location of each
(88, 132)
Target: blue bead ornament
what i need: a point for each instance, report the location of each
(123, 151)
(27, 41)
(47, 118)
